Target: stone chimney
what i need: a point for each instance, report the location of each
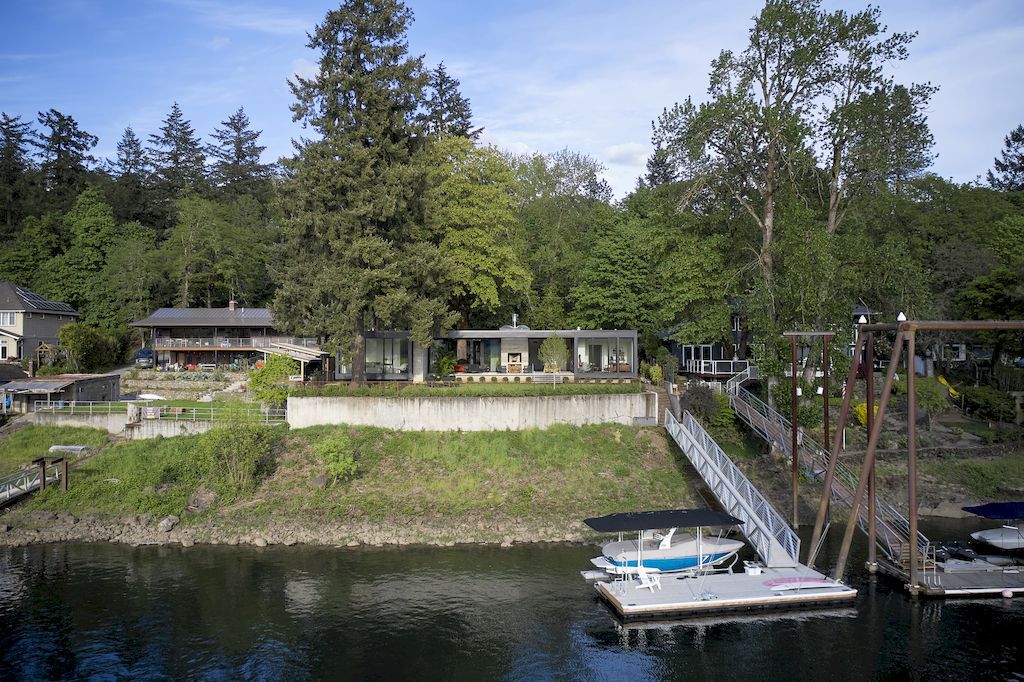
(231, 306)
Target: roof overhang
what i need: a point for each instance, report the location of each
(668, 518)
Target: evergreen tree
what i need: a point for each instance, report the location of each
(64, 148)
(236, 167)
(446, 111)
(1009, 167)
(15, 138)
(179, 165)
(130, 196)
(356, 237)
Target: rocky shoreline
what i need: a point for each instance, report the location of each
(40, 527)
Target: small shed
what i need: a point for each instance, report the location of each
(20, 395)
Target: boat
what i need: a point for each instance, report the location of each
(1009, 536)
(668, 552)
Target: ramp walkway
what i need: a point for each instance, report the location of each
(25, 481)
(892, 527)
(772, 538)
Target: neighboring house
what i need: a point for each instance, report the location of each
(497, 354)
(23, 393)
(220, 337)
(28, 320)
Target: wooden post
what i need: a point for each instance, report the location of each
(794, 421)
(872, 500)
(64, 474)
(912, 459)
(42, 473)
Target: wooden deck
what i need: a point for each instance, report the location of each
(683, 596)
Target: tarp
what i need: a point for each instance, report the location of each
(669, 518)
(998, 510)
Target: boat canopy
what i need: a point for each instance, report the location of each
(669, 518)
(998, 510)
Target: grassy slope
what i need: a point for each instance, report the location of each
(27, 444)
(559, 474)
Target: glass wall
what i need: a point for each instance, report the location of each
(387, 356)
(605, 354)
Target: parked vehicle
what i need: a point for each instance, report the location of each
(144, 359)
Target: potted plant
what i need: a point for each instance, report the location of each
(553, 353)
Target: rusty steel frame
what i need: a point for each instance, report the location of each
(905, 333)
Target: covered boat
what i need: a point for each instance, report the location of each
(1009, 537)
(671, 551)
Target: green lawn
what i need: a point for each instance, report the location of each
(473, 390)
(988, 477)
(31, 442)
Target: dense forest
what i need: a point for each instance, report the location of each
(795, 187)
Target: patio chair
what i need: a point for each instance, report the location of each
(647, 579)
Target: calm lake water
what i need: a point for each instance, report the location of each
(114, 612)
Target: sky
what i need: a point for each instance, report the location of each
(541, 75)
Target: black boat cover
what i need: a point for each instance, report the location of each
(669, 518)
(998, 510)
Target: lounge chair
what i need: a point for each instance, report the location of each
(647, 579)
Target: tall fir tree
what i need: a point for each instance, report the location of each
(358, 251)
(445, 111)
(237, 168)
(64, 149)
(130, 194)
(179, 165)
(15, 162)
(1007, 172)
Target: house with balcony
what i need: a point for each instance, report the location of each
(510, 353)
(232, 337)
(28, 320)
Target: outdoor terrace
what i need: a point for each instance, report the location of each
(231, 343)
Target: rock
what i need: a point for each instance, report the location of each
(201, 500)
(167, 523)
(320, 482)
(187, 542)
(65, 517)
(289, 542)
(260, 542)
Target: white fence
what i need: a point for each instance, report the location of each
(715, 367)
(139, 411)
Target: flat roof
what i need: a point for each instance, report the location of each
(537, 333)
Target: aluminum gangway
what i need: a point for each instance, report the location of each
(892, 527)
(772, 538)
(25, 481)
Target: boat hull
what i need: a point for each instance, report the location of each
(684, 554)
(1003, 538)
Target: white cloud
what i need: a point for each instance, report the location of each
(628, 154)
(245, 16)
(219, 43)
(304, 68)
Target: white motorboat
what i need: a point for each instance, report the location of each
(673, 551)
(1008, 536)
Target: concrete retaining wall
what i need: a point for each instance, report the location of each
(114, 424)
(474, 413)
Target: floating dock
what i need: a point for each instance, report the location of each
(961, 578)
(686, 595)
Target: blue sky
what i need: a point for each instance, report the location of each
(541, 76)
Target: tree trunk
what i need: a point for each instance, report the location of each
(358, 353)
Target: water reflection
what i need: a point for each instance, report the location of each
(78, 611)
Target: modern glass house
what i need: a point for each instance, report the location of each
(497, 354)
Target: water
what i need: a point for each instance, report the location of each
(116, 612)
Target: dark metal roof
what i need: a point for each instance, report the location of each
(50, 384)
(669, 518)
(208, 317)
(14, 297)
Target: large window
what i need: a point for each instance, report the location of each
(7, 319)
(604, 354)
(387, 356)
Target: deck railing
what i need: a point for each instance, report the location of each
(715, 367)
(25, 481)
(231, 342)
(145, 410)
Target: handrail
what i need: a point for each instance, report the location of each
(772, 538)
(150, 411)
(229, 342)
(25, 481)
(893, 529)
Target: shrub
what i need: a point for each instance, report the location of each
(700, 401)
(445, 362)
(860, 411)
(669, 363)
(645, 370)
(989, 403)
(724, 415)
(269, 383)
(654, 373)
(338, 452)
(235, 458)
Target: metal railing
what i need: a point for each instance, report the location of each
(715, 367)
(772, 538)
(25, 481)
(228, 342)
(146, 410)
(892, 528)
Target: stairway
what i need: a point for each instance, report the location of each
(892, 528)
(664, 401)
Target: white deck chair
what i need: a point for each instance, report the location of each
(648, 580)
